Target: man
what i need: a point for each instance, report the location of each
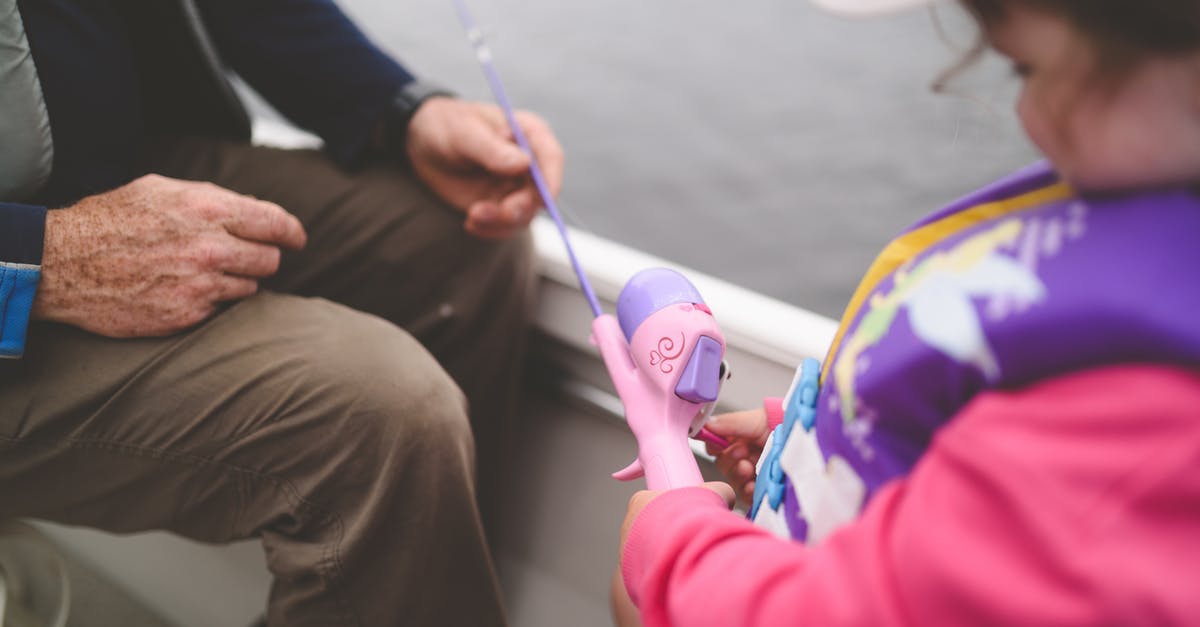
(206, 336)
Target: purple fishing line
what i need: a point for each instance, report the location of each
(484, 55)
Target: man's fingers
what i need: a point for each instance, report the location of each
(489, 220)
(546, 149)
(265, 222)
(519, 207)
(228, 288)
(483, 145)
(249, 259)
(484, 230)
(485, 212)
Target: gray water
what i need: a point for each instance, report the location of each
(763, 141)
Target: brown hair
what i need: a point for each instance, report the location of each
(1122, 32)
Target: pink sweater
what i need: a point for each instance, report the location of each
(1072, 502)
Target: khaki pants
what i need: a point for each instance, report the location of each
(314, 416)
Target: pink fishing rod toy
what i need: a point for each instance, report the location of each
(664, 353)
(663, 349)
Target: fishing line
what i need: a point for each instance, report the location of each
(484, 55)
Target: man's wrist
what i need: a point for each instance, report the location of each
(400, 111)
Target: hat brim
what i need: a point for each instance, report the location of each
(867, 8)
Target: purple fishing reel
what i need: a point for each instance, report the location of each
(665, 353)
(650, 292)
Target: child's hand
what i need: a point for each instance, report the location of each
(641, 499)
(625, 614)
(747, 433)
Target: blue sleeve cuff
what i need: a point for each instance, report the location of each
(18, 286)
(22, 231)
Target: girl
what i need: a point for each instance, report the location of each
(1007, 426)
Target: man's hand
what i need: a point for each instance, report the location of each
(157, 256)
(465, 153)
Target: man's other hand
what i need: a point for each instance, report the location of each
(158, 256)
(465, 153)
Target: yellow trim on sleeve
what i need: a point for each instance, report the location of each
(911, 244)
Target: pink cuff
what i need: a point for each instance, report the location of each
(774, 409)
(656, 525)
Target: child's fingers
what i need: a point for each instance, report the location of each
(738, 451)
(744, 425)
(738, 468)
(731, 456)
(746, 493)
(743, 471)
(743, 475)
(723, 490)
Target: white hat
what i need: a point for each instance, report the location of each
(863, 8)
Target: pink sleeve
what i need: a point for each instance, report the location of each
(773, 407)
(1075, 501)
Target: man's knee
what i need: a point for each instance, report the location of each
(388, 387)
(366, 389)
